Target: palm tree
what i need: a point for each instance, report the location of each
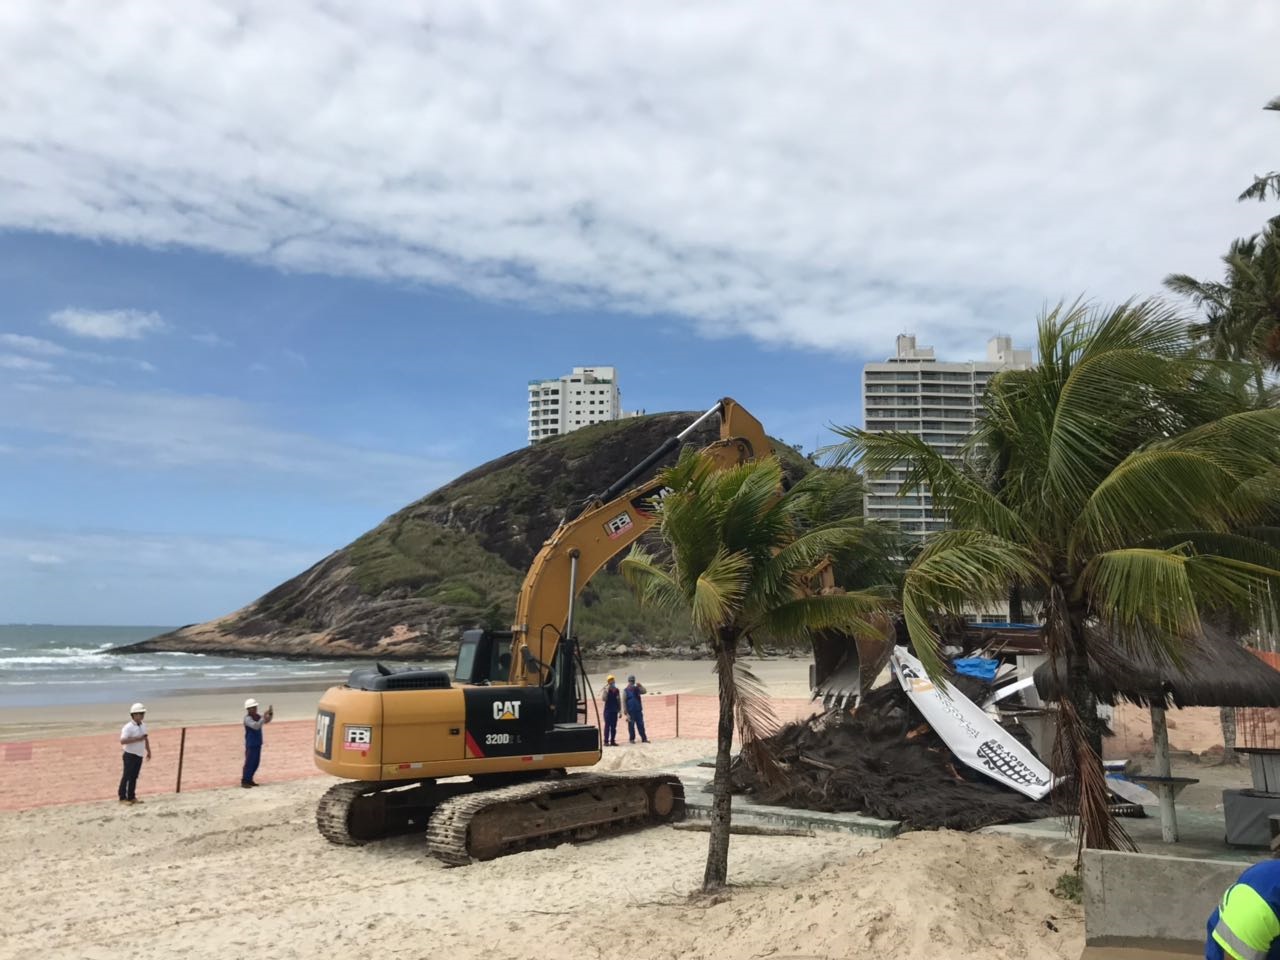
(1242, 311)
(1270, 183)
(1129, 477)
(740, 551)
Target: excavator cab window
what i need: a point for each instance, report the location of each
(484, 657)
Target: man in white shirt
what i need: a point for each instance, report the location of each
(253, 722)
(134, 740)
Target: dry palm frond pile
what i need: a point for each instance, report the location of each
(886, 761)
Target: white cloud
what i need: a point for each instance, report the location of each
(210, 339)
(11, 361)
(825, 175)
(207, 436)
(107, 324)
(36, 347)
(32, 345)
(45, 559)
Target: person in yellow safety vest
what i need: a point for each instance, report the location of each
(1246, 925)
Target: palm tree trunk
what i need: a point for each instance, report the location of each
(1082, 697)
(716, 875)
(1015, 602)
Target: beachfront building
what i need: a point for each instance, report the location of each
(937, 401)
(564, 404)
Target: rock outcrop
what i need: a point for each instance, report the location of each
(454, 560)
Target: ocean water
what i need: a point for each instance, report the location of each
(47, 665)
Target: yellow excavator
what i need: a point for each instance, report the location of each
(480, 760)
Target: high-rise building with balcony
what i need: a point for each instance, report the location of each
(912, 392)
(563, 404)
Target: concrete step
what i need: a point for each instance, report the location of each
(745, 811)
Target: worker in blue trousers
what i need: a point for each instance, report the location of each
(612, 707)
(253, 724)
(634, 708)
(1246, 925)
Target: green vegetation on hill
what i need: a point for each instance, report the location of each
(432, 562)
(455, 559)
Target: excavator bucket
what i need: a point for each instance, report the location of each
(845, 667)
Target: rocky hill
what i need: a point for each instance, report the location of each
(455, 559)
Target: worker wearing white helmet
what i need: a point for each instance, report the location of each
(253, 722)
(135, 746)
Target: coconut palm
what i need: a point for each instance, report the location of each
(1268, 185)
(1242, 311)
(740, 551)
(1129, 477)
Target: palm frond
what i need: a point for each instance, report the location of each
(1151, 491)
(718, 590)
(1143, 593)
(857, 612)
(756, 722)
(956, 569)
(651, 581)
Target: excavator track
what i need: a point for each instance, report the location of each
(492, 823)
(355, 812)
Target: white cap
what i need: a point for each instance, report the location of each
(250, 703)
(137, 708)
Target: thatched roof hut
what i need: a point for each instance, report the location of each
(1213, 671)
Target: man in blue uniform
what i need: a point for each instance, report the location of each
(1246, 926)
(253, 722)
(635, 708)
(612, 707)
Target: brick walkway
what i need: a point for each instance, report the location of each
(37, 773)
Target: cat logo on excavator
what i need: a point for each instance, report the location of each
(506, 709)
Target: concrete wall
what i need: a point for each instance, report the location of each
(1140, 896)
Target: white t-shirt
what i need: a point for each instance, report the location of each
(132, 729)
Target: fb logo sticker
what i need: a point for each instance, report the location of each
(618, 526)
(506, 709)
(356, 738)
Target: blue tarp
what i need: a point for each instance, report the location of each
(979, 667)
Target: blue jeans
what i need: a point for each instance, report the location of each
(610, 728)
(252, 757)
(636, 721)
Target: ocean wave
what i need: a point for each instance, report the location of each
(70, 661)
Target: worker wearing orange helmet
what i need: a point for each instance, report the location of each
(612, 708)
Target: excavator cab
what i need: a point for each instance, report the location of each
(484, 657)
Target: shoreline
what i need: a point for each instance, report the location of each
(783, 678)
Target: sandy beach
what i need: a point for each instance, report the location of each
(213, 871)
(232, 872)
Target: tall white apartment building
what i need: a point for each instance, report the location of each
(563, 404)
(912, 392)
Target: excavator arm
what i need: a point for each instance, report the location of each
(600, 529)
(604, 525)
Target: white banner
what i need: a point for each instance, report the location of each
(977, 740)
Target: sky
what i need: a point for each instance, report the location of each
(270, 272)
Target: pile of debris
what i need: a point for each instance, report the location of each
(885, 760)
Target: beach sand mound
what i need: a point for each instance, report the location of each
(243, 872)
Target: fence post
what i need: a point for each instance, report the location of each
(182, 749)
(677, 716)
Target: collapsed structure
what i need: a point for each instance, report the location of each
(885, 759)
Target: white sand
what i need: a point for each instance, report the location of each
(242, 873)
